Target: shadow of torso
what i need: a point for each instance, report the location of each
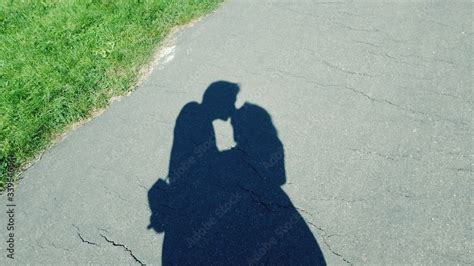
(228, 207)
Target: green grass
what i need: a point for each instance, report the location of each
(59, 60)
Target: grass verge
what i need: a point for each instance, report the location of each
(59, 60)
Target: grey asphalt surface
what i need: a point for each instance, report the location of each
(373, 104)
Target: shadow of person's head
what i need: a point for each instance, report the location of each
(252, 124)
(219, 99)
(257, 137)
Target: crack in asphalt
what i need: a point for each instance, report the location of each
(462, 169)
(324, 237)
(249, 164)
(385, 101)
(428, 60)
(372, 30)
(375, 153)
(342, 69)
(459, 123)
(78, 231)
(335, 252)
(56, 247)
(113, 193)
(343, 200)
(257, 199)
(367, 43)
(394, 59)
(124, 247)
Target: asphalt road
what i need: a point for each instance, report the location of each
(372, 103)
